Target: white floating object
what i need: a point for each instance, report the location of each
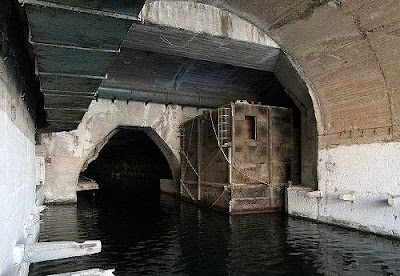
(314, 194)
(348, 197)
(394, 201)
(46, 251)
(89, 272)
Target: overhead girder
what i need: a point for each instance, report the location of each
(75, 42)
(153, 77)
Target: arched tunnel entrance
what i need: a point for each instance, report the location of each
(129, 166)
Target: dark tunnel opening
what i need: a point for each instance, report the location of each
(129, 168)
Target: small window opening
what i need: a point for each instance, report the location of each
(250, 127)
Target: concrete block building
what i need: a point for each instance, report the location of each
(238, 157)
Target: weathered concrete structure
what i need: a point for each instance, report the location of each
(18, 108)
(131, 165)
(337, 60)
(68, 153)
(90, 272)
(238, 157)
(325, 80)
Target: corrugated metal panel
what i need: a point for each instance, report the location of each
(75, 42)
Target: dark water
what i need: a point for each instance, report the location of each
(178, 238)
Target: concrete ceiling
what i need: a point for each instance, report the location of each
(74, 43)
(179, 42)
(175, 66)
(152, 77)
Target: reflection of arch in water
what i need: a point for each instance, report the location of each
(154, 137)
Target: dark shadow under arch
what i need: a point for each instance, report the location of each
(131, 156)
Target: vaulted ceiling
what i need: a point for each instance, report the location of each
(347, 53)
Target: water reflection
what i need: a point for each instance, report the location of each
(169, 237)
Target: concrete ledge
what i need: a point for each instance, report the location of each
(47, 251)
(300, 204)
(168, 186)
(40, 196)
(89, 272)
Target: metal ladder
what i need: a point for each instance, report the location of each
(224, 126)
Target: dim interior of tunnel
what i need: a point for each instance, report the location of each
(129, 166)
(155, 67)
(173, 63)
(168, 59)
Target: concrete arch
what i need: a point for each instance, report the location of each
(167, 152)
(234, 25)
(224, 21)
(345, 55)
(69, 152)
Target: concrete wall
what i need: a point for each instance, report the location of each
(19, 223)
(370, 172)
(208, 19)
(268, 157)
(17, 170)
(297, 89)
(345, 51)
(67, 153)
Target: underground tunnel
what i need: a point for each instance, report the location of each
(187, 137)
(129, 167)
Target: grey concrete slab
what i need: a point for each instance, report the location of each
(69, 93)
(126, 7)
(57, 125)
(53, 59)
(68, 83)
(89, 272)
(173, 41)
(74, 115)
(66, 101)
(65, 27)
(143, 76)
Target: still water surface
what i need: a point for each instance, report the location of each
(170, 237)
